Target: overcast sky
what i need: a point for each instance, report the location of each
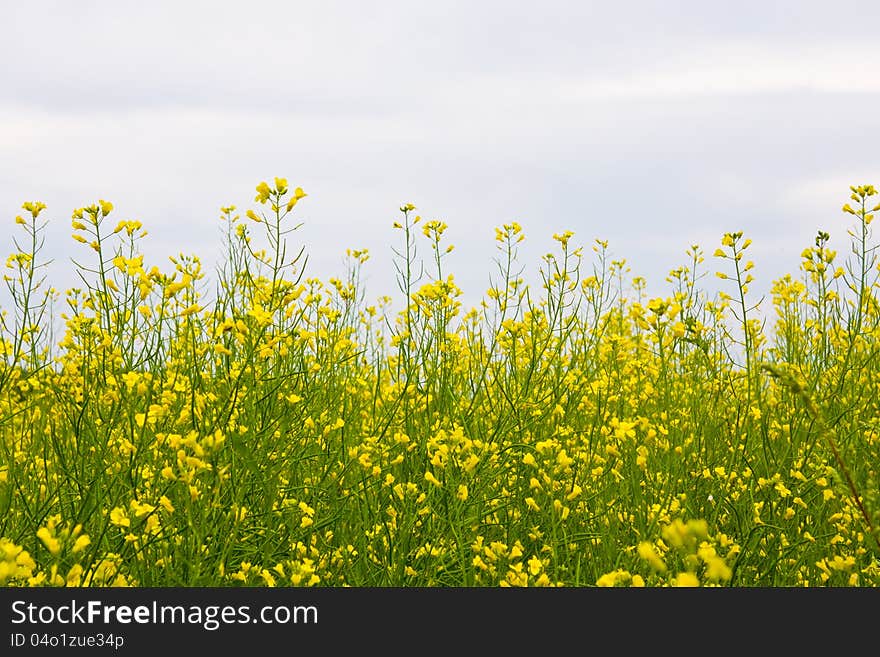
(654, 125)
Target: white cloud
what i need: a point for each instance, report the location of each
(740, 68)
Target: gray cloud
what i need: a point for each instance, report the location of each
(653, 125)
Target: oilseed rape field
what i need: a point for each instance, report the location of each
(254, 426)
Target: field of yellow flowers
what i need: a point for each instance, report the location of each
(259, 427)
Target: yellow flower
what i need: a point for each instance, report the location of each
(298, 193)
(140, 509)
(119, 518)
(614, 578)
(717, 570)
(686, 579)
(48, 537)
(535, 566)
(263, 318)
(34, 207)
(74, 575)
(263, 192)
(267, 578)
(649, 554)
(81, 544)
